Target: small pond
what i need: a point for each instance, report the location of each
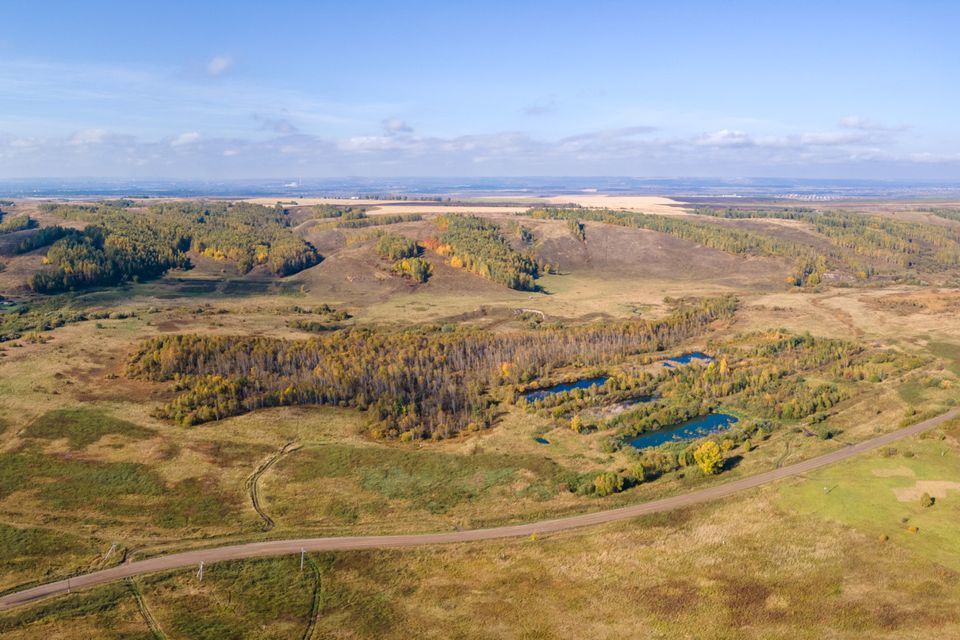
(687, 358)
(540, 394)
(689, 430)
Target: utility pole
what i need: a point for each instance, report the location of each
(200, 571)
(301, 558)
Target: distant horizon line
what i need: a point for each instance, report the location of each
(781, 188)
(902, 180)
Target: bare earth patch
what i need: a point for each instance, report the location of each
(936, 488)
(898, 472)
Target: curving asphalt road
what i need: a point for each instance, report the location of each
(351, 543)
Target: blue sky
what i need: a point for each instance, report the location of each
(249, 89)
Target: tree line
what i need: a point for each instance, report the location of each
(405, 254)
(730, 240)
(418, 383)
(478, 246)
(768, 375)
(905, 244)
(11, 224)
(124, 243)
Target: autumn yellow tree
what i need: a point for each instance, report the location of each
(709, 457)
(576, 424)
(607, 483)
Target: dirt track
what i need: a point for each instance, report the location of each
(284, 547)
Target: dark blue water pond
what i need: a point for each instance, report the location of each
(689, 430)
(540, 394)
(687, 358)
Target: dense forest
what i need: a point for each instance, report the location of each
(391, 246)
(418, 383)
(478, 246)
(357, 218)
(11, 224)
(124, 243)
(946, 214)
(93, 257)
(329, 211)
(44, 237)
(405, 254)
(363, 222)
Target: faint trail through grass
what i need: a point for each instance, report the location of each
(155, 629)
(315, 602)
(253, 481)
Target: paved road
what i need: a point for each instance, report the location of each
(284, 547)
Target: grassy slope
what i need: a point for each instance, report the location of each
(763, 566)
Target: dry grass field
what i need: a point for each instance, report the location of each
(91, 475)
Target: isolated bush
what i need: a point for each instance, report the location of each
(709, 457)
(637, 473)
(607, 483)
(576, 424)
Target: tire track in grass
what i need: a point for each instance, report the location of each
(271, 548)
(317, 596)
(155, 629)
(253, 484)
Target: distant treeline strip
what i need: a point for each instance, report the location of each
(858, 243)
(808, 267)
(357, 218)
(902, 243)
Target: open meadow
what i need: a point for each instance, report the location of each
(189, 374)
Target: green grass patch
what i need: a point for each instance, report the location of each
(254, 599)
(429, 480)
(365, 605)
(102, 602)
(21, 545)
(949, 352)
(29, 552)
(912, 392)
(115, 488)
(82, 427)
(862, 493)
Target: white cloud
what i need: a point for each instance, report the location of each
(276, 125)
(393, 126)
(184, 139)
(218, 65)
(724, 138)
(541, 107)
(865, 124)
(832, 138)
(635, 150)
(88, 136)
